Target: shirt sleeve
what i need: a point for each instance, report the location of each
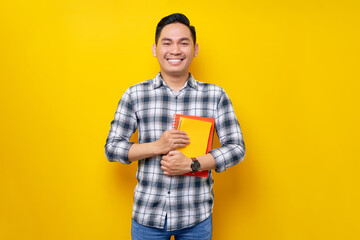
(122, 127)
(232, 150)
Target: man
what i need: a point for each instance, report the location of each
(166, 202)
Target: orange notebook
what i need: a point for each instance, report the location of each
(200, 131)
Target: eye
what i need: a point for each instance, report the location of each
(184, 43)
(166, 43)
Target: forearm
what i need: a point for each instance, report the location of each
(142, 150)
(207, 162)
(169, 140)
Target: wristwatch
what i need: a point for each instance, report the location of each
(195, 165)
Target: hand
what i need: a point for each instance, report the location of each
(175, 163)
(171, 140)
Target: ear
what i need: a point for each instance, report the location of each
(154, 49)
(196, 50)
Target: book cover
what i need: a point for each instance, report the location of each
(200, 131)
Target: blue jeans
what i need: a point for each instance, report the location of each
(201, 231)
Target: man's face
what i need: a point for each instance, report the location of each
(175, 49)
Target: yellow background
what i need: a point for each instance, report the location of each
(291, 69)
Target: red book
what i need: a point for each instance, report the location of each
(201, 131)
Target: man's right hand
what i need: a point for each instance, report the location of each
(171, 140)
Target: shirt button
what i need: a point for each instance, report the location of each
(168, 192)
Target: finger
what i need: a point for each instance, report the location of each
(182, 145)
(166, 157)
(173, 152)
(166, 172)
(164, 163)
(177, 131)
(179, 134)
(180, 137)
(181, 142)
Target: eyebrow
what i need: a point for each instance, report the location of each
(181, 39)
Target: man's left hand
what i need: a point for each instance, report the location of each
(175, 163)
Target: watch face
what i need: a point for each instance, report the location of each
(195, 166)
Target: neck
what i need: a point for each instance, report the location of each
(175, 82)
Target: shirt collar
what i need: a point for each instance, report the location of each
(158, 81)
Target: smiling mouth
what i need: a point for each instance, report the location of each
(175, 60)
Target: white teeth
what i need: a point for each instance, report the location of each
(174, 60)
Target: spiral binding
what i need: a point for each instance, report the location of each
(175, 122)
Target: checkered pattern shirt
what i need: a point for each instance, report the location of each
(149, 107)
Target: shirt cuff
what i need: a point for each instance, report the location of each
(125, 152)
(118, 152)
(219, 157)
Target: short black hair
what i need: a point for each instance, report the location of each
(174, 18)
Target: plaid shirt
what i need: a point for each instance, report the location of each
(149, 107)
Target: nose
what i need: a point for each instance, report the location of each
(176, 49)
